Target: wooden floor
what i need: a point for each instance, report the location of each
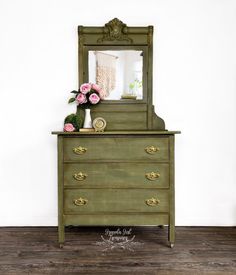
(198, 250)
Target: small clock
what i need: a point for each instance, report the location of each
(99, 124)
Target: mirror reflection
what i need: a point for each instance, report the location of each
(118, 73)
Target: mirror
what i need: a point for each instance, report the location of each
(118, 73)
(129, 94)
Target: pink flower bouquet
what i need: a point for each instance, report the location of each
(88, 95)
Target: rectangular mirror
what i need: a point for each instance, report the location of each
(118, 72)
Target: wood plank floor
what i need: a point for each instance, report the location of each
(198, 250)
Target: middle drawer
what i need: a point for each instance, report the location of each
(116, 175)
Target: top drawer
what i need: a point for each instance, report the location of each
(116, 148)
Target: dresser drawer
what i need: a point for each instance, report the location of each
(116, 175)
(121, 148)
(116, 219)
(115, 200)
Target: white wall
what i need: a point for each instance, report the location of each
(195, 92)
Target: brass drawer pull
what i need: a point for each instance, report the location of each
(79, 150)
(152, 202)
(80, 176)
(80, 201)
(152, 149)
(152, 176)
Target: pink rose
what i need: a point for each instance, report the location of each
(96, 87)
(94, 98)
(68, 127)
(85, 88)
(81, 98)
(102, 94)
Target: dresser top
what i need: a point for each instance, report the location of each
(117, 133)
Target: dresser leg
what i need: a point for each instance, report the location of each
(61, 227)
(171, 229)
(171, 235)
(61, 235)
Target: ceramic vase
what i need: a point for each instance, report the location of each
(87, 119)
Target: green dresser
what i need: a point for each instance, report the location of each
(125, 175)
(116, 178)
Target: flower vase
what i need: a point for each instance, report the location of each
(87, 119)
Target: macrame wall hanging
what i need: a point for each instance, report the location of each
(106, 72)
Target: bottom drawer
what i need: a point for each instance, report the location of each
(115, 200)
(117, 220)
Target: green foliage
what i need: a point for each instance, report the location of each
(72, 99)
(131, 86)
(75, 120)
(135, 84)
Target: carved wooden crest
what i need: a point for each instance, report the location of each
(115, 30)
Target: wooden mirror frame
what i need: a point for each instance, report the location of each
(119, 48)
(115, 35)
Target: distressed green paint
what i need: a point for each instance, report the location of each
(171, 230)
(116, 148)
(116, 186)
(115, 162)
(115, 200)
(116, 133)
(116, 175)
(121, 219)
(141, 39)
(61, 230)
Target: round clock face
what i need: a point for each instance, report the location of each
(99, 124)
